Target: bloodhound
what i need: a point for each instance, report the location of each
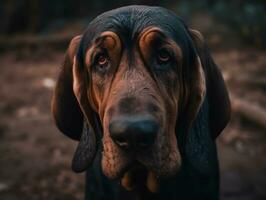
(141, 93)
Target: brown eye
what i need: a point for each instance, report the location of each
(102, 60)
(163, 56)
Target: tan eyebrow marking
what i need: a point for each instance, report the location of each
(108, 40)
(151, 33)
(146, 34)
(111, 40)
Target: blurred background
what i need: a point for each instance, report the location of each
(34, 34)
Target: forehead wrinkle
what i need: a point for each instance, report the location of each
(127, 61)
(129, 21)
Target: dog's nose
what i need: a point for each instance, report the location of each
(133, 132)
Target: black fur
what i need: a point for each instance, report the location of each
(199, 174)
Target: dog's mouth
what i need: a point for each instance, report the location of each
(138, 177)
(142, 169)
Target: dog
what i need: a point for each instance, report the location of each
(141, 93)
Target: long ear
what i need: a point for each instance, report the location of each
(65, 108)
(218, 98)
(87, 147)
(195, 93)
(71, 109)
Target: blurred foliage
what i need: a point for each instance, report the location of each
(36, 15)
(246, 17)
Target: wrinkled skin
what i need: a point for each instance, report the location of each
(126, 87)
(143, 61)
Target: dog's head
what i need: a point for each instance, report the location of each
(134, 74)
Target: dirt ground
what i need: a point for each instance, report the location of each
(35, 158)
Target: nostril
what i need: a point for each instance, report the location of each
(120, 140)
(146, 132)
(122, 143)
(143, 143)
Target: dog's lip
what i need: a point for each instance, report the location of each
(132, 174)
(137, 176)
(128, 167)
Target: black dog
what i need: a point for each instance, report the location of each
(142, 94)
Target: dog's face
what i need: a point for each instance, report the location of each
(134, 85)
(137, 69)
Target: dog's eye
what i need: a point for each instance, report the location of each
(101, 60)
(163, 56)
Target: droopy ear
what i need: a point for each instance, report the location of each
(71, 109)
(87, 147)
(65, 108)
(195, 92)
(218, 99)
